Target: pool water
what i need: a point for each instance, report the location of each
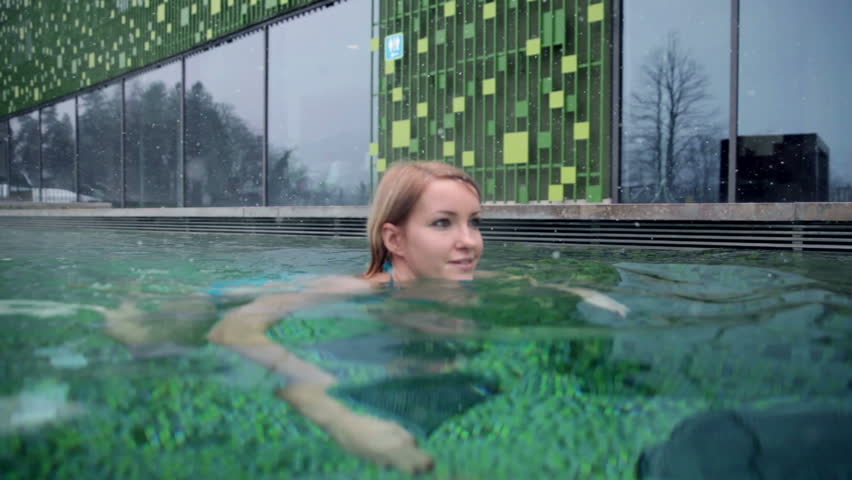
(539, 385)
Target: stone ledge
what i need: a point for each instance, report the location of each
(713, 212)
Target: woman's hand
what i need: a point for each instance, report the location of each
(379, 441)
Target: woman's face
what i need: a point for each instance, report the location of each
(441, 237)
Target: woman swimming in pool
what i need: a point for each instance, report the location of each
(424, 224)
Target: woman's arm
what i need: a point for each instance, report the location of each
(593, 297)
(244, 330)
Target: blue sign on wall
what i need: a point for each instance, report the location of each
(393, 46)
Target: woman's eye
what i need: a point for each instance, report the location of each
(475, 223)
(443, 223)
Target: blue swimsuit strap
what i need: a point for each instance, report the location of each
(387, 267)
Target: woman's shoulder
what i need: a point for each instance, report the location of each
(348, 284)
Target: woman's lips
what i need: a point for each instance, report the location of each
(466, 264)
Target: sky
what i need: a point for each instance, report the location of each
(795, 69)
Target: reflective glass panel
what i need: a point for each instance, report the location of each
(319, 107)
(4, 159)
(224, 124)
(26, 166)
(675, 98)
(795, 110)
(153, 134)
(57, 152)
(99, 119)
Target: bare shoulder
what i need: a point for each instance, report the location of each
(487, 274)
(345, 284)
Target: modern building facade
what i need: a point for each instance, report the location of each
(294, 102)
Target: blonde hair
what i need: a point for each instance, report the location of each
(397, 194)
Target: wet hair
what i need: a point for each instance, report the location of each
(399, 190)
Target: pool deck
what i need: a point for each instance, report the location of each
(704, 212)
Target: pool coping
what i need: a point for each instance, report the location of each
(721, 212)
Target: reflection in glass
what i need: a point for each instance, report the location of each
(153, 127)
(674, 100)
(25, 175)
(224, 124)
(4, 159)
(794, 102)
(319, 108)
(100, 145)
(57, 152)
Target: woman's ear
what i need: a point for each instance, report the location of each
(392, 238)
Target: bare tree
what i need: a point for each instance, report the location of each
(670, 122)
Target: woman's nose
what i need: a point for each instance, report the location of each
(468, 236)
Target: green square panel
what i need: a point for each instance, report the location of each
(442, 80)
(516, 148)
(414, 145)
(490, 186)
(501, 63)
(470, 89)
(491, 127)
(521, 108)
(547, 29)
(440, 37)
(546, 85)
(523, 194)
(594, 193)
(570, 103)
(449, 120)
(543, 139)
(469, 30)
(433, 127)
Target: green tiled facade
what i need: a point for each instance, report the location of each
(516, 92)
(51, 48)
(513, 91)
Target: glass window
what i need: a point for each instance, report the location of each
(26, 166)
(794, 103)
(4, 159)
(224, 124)
(319, 108)
(57, 152)
(100, 145)
(153, 134)
(675, 96)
